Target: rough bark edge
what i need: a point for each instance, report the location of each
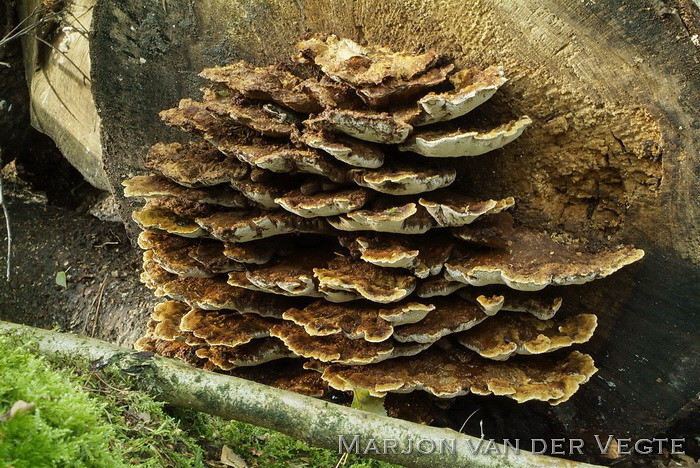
(316, 422)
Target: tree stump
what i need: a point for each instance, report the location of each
(612, 154)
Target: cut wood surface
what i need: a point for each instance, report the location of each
(57, 68)
(612, 154)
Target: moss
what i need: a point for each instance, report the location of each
(261, 447)
(90, 416)
(66, 427)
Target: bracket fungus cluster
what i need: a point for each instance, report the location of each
(315, 234)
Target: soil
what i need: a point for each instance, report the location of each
(103, 296)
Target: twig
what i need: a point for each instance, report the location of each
(9, 232)
(97, 309)
(467, 420)
(52, 47)
(343, 460)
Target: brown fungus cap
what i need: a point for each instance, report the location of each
(376, 284)
(289, 276)
(456, 372)
(451, 315)
(154, 217)
(187, 257)
(194, 164)
(538, 304)
(256, 252)
(216, 294)
(324, 204)
(250, 354)
(332, 94)
(283, 159)
(240, 280)
(266, 119)
(245, 227)
(452, 210)
(262, 192)
(155, 185)
(338, 296)
(341, 349)
(168, 315)
(472, 86)
(170, 348)
(377, 127)
(437, 286)
(225, 327)
(270, 83)
(185, 208)
(404, 180)
(386, 215)
(489, 304)
(423, 256)
(357, 319)
(346, 61)
(440, 144)
(193, 117)
(513, 333)
(153, 276)
(210, 253)
(348, 150)
(534, 260)
(399, 89)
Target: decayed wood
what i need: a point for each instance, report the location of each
(57, 69)
(313, 421)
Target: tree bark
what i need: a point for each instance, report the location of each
(313, 421)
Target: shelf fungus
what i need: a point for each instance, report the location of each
(324, 203)
(533, 260)
(509, 334)
(340, 349)
(185, 257)
(441, 144)
(404, 180)
(386, 215)
(197, 164)
(308, 238)
(151, 186)
(447, 374)
(423, 256)
(357, 319)
(348, 150)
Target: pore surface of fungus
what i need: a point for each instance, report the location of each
(458, 143)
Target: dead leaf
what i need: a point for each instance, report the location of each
(362, 400)
(19, 407)
(61, 279)
(230, 458)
